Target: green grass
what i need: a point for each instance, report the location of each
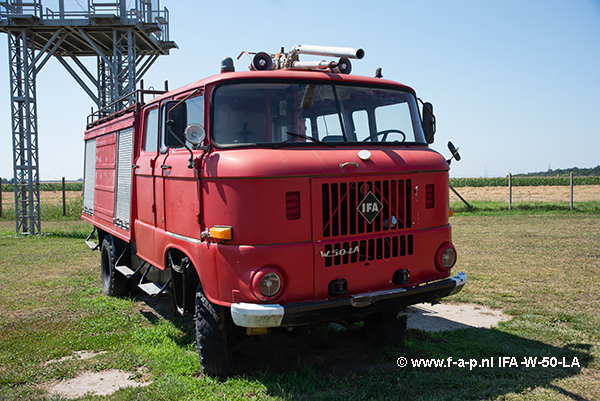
(540, 269)
(521, 208)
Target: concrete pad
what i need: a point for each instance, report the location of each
(95, 383)
(444, 317)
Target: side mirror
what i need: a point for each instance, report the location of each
(428, 123)
(175, 124)
(454, 151)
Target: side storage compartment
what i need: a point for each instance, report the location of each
(123, 185)
(89, 177)
(107, 187)
(107, 196)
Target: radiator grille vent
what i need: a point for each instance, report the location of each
(340, 200)
(344, 253)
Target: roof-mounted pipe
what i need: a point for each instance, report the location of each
(342, 66)
(263, 61)
(329, 51)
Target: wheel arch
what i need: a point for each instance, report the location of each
(119, 243)
(185, 278)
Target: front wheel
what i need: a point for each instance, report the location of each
(113, 282)
(213, 326)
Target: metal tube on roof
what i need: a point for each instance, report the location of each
(329, 51)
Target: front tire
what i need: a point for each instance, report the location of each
(113, 282)
(213, 327)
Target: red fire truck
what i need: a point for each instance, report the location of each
(290, 194)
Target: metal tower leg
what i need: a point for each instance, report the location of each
(24, 127)
(104, 98)
(117, 72)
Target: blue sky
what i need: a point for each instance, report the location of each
(515, 84)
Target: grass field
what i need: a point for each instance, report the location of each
(541, 269)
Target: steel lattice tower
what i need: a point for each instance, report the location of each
(126, 37)
(25, 134)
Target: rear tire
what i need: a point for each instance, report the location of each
(113, 282)
(213, 326)
(386, 328)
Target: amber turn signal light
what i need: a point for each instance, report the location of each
(221, 232)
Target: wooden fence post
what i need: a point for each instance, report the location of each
(63, 193)
(509, 191)
(0, 197)
(571, 202)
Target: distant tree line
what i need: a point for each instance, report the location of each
(577, 172)
(7, 185)
(12, 180)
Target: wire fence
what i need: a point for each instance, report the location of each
(58, 198)
(521, 181)
(551, 193)
(63, 198)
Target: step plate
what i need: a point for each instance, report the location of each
(150, 288)
(124, 270)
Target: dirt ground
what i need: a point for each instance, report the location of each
(581, 193)
(95, 383)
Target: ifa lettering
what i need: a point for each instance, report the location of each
(339, 252)
(369, 207)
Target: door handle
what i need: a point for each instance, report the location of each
(165, 167)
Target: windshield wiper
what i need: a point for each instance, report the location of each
(303, 137)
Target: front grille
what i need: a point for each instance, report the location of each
(361, 251)
(340, 200)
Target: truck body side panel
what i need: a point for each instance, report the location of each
(182, 196)
(104, 196)
(145, 222)
(112, 189)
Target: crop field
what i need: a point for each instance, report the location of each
(523, 181)
(554, 194)
(540, 268)
(492, 196)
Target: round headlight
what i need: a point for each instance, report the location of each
(270, 284)
(445, 257)
(267, 283)
(448, 258)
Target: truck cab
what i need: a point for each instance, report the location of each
(287, 195)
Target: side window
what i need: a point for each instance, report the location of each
(195, 110)
(306, 128)
(361, 125)
(151, 131)
(397, 117)
(329, 128)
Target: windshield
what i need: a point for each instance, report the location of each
(277, 114)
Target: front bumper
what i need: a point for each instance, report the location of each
(355, 306)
